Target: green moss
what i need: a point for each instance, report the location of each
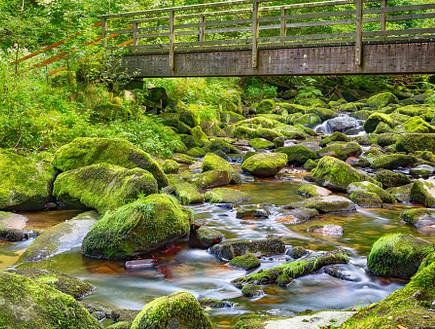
(401, 193)
(418, 125)
(366, 199)
(422, 171)
(373, 120)
(310, 120)
(260, 143)
(325, 204)
(422, 192)
(212, 162)
(246, 262)
(231, 117)
(381, 100)
(120, 325)
(188, 115)
(171, 119)
(266, 106)
(398, 255)
(212, 178)
(335, 137)
(170, 167)
(412, 143)
(389, 178)
(412, 216)
(285, 273)
(361, 115)
(220, 145)
(392, 161)
(137, 228)
(423, 111)
(25, 184)
(207, 237)
(226, 195)
(244, 132)
(310, 191)
(341, 150)
(265, 164)
(266, 247)
(336, 174)
(386, 139)
(178, 310)
(104, 186)
(196, 152)
(252, 290)
(311, 164)
(266, 133)
(251, 321)
(27, 304)
(182, 128)
(291, 132)
(297, 154)
(84, 151)
(198, 134)
(188, 194)
(371, 188)
(383, 128)
(183, 158)
(214, 303)
(323, 113)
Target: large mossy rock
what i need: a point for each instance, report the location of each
(375, 119)
(12, 227)
(422, 218)
(219, 145)
(26, 304)
(265, 164)
(178, 310)
(381, 100)
(267, 247)
(389, 178)
(212, 161)
(61, 237)
(341, 150)
(297, 154)
(25, 185)
(418, 125)
(392, 161)
(137, 228)
(84, 151)
(412, 143)
(226, 195)
(398, 255)
(401, 193)
(371, 188)
(103, 186)
(188, 193)
(335, 137)
(423, 191)
(325, 204)
(212, 178)
(336, 174)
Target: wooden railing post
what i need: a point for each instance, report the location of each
(103, 32)
(135, 40)
(255, 32)
(283, 30)
(359, 29)
(171, 39)
(202, 29)
(383, 21)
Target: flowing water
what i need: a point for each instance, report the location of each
(196, 271)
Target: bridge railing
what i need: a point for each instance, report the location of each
(265, 24)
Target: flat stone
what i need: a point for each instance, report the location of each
(313, 321)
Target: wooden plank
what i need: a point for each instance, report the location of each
(399, 32)
(399, 9)
(308, 37)
(359, 33)
(171, 38)
(410, 17)
(255, 32)
(202, 29)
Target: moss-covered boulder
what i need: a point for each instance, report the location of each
(283, 274)
(226, 195)
(422, 171)
(266, 247)
(297, 215)
(366, 199)
(341, 150)
(374, 119)
(252, 212)
(178, 310)
(422, 218)
(84, 151)
(103, 186)
(412, 143)
(268, 134)
(196, 152)
(61, 237)
(230, 117)
(401, 193)
(398, 255)
(265, 164)
(335, 137)
(423, 191)
(418, 125)
(212, 178)
(137, 228)
(381, 100)
(187, 193)
(188, 116)
(58, 280)
(261, 144)
(265, 106)
(392, 161)
(325, 204)
(12, 227)
(212, 161)
(27, 304)
(309, 191)
(252, 290)
(390, 178)
(183, 158)
(245, 262)
(297, 154)
(198, 134)
(170, 167)
(371, 188)
(25, 185)
(337, 175)
(205, 238)
(214, 303)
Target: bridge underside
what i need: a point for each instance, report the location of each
(390, 58)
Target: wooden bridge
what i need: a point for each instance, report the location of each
(263, 37)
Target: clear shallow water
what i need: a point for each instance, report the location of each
(203, 275)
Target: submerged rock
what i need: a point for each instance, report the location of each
(85, 151)
(137, 228)
(103, 186)
(267, 247)
(25, 185)
(61, 237)
(12, 227)
(252, 213)
(423, 219)
(326, 204)
(297, 216)
(178, 310)
(265, 164)
(398, 255)
(226, 195)
(330, 230)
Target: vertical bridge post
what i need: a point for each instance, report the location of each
(171, 39)
(202, 28)
(255, 32)
(283, 30)
(383, 22)
(135, 40)
(359, 30)
(103, 31)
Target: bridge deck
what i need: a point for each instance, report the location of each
(263, 37)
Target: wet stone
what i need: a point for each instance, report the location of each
(252, 213)
(329, 230)
(297, 252)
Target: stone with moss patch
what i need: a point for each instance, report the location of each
(231, 117)
(337, 175)
(326, 204)
(252, 213)
(398, 255)
(214, 303)
(178, 310)
(212, 161)
(196, 152)
(85, 151)
(27, 304)
(25, 185)
(366, 199)
(266, 247)
(245, 262)
(61, 237)
(423, 191)
(412, 143)
(183, 158)
(374, 119)
(418, 125)
(422, 218)
(392, 161)
(401, 193)
(226, 195)
(103, 186)
(187, 193)
(297, 154)
(252, 290)
(335, 137)
(137, 228)
(389, 178)
(261, 143)
(341, 150)
(205, 238)
(422, 171)
(170, 167)
(309, 191)
(265, 164)
(221, 145)
(371, 188)
(381, 100)
(311, 164)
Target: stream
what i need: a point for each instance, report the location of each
(197, 271)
